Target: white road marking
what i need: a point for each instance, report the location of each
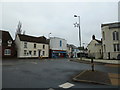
(66, 85)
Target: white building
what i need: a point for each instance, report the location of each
(111, 40)
(31, 47)
(95, 48)
(58, 47)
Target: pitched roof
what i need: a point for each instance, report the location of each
(5, 37)
(98, 41)
(28, 38)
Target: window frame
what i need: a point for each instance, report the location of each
(34, 53)
(25, 52)
(25, 44)
(115, 35)
(43, 46)
(43, 53)
(35, 45)
(7, 52)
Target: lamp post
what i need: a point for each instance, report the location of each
(78, 25)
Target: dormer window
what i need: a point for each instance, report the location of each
(9, 43)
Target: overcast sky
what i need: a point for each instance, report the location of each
(42, 18)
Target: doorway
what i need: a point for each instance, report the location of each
(39, 53)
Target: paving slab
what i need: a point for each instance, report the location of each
(97, 77)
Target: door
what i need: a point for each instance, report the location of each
(109, 55)
(39, 53)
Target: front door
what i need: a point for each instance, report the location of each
(39, 51)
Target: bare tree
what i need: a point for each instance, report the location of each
(19, 28)
(24, 32)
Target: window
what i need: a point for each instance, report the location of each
(34, 45)
(60, 43)
(116, 47)
(103, 35)
(30, 52)
(43, 53)
(34, 52)
(115, 35)
(43, 46)
(25, 44)
(7, 52)
(25, 52)
(104, 48)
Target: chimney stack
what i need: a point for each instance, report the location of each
(93, 37)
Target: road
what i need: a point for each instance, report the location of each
(48, 73)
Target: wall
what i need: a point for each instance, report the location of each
(55, 44)
(94, 49)
(30, 47)
(108, 42)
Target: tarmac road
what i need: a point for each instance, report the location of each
(48, 73)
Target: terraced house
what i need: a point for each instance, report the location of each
(31, 47)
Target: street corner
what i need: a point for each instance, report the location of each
(95, 77)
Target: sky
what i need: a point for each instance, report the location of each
(57, 18)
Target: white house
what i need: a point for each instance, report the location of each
(111, 40)
(95, 48)
(58, 47)
(31, 47)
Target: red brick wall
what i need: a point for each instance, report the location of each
(13, 52)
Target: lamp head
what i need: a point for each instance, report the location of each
(75, 15)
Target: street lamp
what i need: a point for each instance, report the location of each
(78, 25)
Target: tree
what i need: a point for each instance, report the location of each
(19, 30)
(24, 32)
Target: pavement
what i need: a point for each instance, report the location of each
(93, 77)
(50, 73)
(101, 60)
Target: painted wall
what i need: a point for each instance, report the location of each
(30, 47)
(58, 43)
(108, 42)
(95, 49)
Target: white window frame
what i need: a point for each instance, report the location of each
(7, 52)
(25, 44)
(25, 52)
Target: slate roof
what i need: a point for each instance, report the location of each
(5, 36)
(28, 38)
(112, 25)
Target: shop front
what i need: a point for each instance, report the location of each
(58, 54)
